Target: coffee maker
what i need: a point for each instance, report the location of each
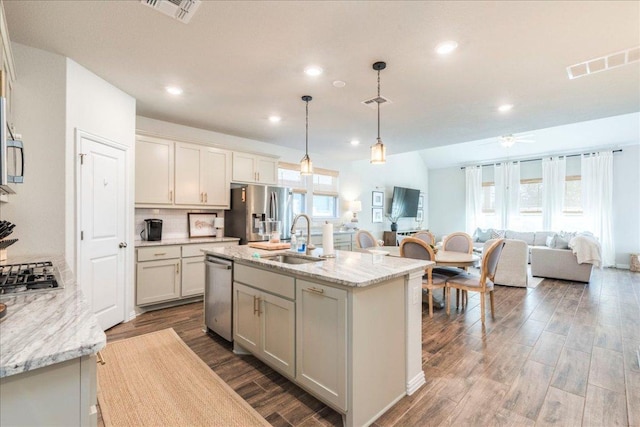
(152, 230)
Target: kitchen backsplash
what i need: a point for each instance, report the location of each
(174, 221)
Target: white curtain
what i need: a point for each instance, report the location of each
(553, 186)
(507, 181)
(597, 200)
(473, 198)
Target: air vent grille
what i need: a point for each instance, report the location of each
(373, 102)
(604, 63)
(182, 10)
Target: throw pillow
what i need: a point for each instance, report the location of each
(497, 234)
(557, 242)
(483, 235)
(550, 241)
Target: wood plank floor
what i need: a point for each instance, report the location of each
(560, 354)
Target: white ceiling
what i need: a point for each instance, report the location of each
(240, 62)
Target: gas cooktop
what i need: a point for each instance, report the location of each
(28, 277)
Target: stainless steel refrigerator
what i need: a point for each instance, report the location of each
(254, 203)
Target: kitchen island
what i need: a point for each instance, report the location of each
(346, 329)
(48, 343)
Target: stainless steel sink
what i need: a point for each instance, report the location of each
(291, 259)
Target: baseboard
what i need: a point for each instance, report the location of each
(415, 383)
(132, 315)
(623, 266)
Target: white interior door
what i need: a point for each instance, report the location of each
(102, 248)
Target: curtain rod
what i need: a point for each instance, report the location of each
(535, 160)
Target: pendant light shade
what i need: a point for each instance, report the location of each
(378, 150)
(306, 166)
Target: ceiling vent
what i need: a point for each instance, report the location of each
(182, 10)
(604, 63)
(372, 103)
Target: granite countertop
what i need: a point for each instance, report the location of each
(351, 269)
(184, 241)
(47, 327)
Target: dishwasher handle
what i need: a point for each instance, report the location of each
(215, 263)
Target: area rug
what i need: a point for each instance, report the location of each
(157, 380)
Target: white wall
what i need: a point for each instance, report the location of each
(39, 110)
(447, 205)
(96, 106)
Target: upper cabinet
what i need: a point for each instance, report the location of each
(154, 171)
(254, 168)
(6, 64)
(203, 175)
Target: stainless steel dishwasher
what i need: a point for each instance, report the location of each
(218, 296)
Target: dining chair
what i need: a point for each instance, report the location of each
(425, 236)
(484, 283)
(364, 239)
(412, 247)
(458, 242)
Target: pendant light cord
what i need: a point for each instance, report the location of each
(378, 102)
(306, 143)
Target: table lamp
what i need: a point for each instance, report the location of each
(355, 206)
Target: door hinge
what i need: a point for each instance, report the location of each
(82, 235)
(81, 158)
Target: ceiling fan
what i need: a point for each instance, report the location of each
(508, 141)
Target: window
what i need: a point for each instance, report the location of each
(573, 195)
(488, 197)
(317, 194)
(530, 197)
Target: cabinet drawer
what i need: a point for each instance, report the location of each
(341, 238)
(271, 282)
(195, 249)
(158, 252)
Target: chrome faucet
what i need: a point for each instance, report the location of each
(293, 227)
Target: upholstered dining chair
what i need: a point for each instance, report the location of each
(458, 242)
(411, 247)
(425, 236)
(364, 239)
(484, 283)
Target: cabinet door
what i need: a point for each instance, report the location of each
(154, 171)
(266, 170)
(216, 177)
(246, 323)
(188, 172)
(277, 343)
(157, 281)
(321, 341)
(192, 276)
(244, 168)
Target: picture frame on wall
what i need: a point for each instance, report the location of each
(202, 224)
(421, 201)
(377, 199)
(420, 215)
(376, 215)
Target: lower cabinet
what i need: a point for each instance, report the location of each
(321, 341)
(341, 241)
(62, 394)
(171, 272)
(302, 332)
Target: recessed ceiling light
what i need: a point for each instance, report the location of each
(339, 83)
(174, 90)
(313, 71)
(354, 142)
(505, 107)
(447, 47)
(275, 119)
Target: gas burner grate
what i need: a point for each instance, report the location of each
(16, 278)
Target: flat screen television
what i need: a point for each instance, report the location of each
(404, 202)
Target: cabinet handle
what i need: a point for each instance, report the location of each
(160, 254)
(258, 176)
(100, 359)
(206, 198)
(316, 290)
(171, 195)
(178, 268)
(256, 305)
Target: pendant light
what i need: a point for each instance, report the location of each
(306, 167)
(378, 150)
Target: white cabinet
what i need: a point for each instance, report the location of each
(202, 175)
(341, 241)
(154, 171)
(321, 340)
(62, 394)
(263, 322)
(254, 168)
(167, 273)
